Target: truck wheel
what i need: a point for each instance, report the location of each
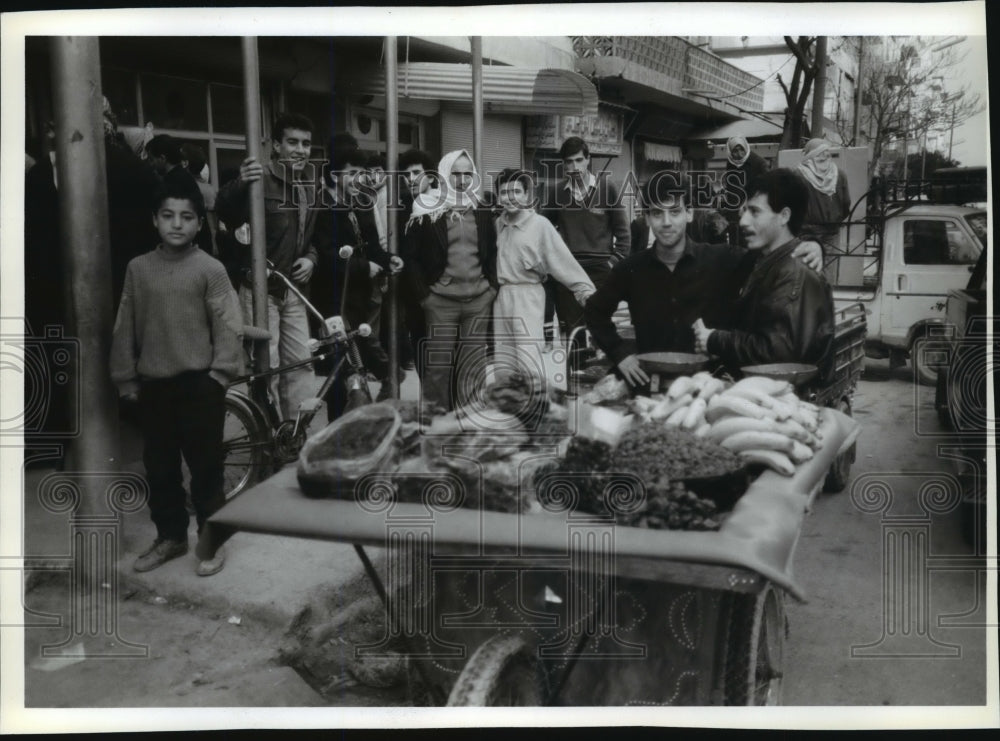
(501, 673)
(923, 352)
(840, 470)
(941, 399)
(755, 654)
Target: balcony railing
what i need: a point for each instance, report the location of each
(675, 58)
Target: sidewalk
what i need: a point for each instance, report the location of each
(266, 578)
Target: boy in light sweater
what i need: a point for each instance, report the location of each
(177, 344)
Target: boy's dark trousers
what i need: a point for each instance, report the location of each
(182, 415)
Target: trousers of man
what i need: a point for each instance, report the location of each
(455, 348)
(289, 327)
(182, 415)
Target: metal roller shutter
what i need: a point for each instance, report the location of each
(501, 140)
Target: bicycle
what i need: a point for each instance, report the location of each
(256, 441)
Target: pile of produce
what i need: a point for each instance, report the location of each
(652, 451)
(759, 419)
(764, 422)
(519, 395)
(589, 466)
(671, 506)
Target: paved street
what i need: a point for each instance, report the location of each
(928, 652)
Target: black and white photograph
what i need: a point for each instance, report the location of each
(419, 368)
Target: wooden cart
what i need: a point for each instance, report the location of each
(563, 607)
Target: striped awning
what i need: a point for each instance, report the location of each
(661, 152)
(505, 89)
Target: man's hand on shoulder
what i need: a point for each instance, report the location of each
(811, 255)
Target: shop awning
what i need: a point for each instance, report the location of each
(767, 125)
(505, 89)
(661, 152)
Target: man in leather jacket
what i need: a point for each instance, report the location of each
(785, 310)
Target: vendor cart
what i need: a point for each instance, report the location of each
(562, 607)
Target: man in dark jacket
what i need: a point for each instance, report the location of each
(289, 219)
(785, 311)
(344, 224)
(450, 250)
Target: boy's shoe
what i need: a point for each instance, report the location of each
(159, 553)
(211, 565)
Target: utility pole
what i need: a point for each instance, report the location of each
(819, 87)
(258, 248)
(476, 44)
(392, 198)
(858, 91)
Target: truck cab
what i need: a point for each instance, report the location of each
(920, 253)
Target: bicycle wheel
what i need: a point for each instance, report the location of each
(501, 673)
(245, 441)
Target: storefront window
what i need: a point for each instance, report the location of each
(227, 109)
(118, 87)
(174, 103)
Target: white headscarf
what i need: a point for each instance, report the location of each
(445, 198)
(822, 177)
(735, 141)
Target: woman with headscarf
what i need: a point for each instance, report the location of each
(744, 166)
(829, 199)
(450, 252)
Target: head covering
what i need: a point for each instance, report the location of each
(446, 198)
(822, 177)
(735, 141)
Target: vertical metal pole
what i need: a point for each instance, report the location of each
(477, 103)
(392, 199)
(859, 91)
(819, 87)
(258, 260)
(83, 214)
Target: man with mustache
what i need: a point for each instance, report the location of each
(784, 313)
(671, 284)
(289, 220)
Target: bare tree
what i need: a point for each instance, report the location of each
(797, 94)
(903, 96)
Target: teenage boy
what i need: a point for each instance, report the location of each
(785, 311)
(418, 167)
(345, 224)
(592, 221)
(670, 285)
(176, 346)
(289, 220)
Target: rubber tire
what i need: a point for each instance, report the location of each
(501, 673)
(941, 400)
(839, 474)
(760, 648)
(244, 445)
(925, 375)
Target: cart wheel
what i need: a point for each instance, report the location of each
(840, 471)
(501, 673)
(756, 649)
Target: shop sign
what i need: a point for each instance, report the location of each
(603, 132)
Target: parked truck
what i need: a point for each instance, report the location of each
(908, 255)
